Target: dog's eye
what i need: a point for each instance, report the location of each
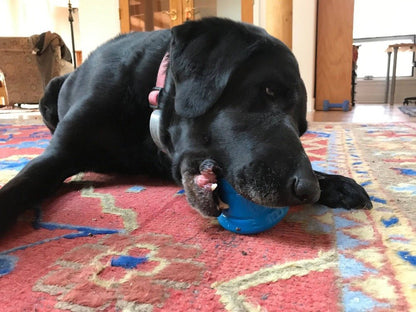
(269, 92)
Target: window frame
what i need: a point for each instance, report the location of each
(357, 41)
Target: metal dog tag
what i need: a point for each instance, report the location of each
(154, 127)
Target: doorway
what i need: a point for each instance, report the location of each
(148, 15)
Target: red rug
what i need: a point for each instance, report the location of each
(110, 243)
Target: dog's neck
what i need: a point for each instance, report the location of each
(155, 117)
(160, 82)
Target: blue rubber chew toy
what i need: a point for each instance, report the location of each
(244, 216)
(344, 105)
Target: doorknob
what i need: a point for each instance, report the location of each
(190, 13)
(173, 14)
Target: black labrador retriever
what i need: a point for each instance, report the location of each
(233, 105)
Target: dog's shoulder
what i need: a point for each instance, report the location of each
(125, 46)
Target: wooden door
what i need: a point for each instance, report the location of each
(279, 19)
(148, 15)
(334, 52)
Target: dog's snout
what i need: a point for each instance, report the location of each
(306, 189)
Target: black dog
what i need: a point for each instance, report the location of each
(233, 106)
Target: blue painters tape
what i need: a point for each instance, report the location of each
(366, 183)
(405, 255)
(390, 222)
(128, 262)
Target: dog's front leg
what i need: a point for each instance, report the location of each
(341, 192)
(34, 183)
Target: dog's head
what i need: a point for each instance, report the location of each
(235, 96)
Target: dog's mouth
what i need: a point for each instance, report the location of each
(201, 187)
(207, 179)
(259, 185)
(206, 188)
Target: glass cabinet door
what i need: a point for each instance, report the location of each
(148, 15)
(196, 9)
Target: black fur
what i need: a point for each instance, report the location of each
(234, 104)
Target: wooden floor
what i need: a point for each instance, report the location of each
(361, 113)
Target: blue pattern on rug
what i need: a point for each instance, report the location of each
(128, 262)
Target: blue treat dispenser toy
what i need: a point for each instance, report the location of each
(244, 216)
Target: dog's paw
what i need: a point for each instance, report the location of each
(201, 188)
(342, 192)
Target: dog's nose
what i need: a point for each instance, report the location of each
(306, 190)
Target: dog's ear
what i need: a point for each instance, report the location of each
(203, 55)
(301, 109)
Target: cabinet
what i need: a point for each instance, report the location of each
(148, 15)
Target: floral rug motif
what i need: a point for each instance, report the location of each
(111, 243)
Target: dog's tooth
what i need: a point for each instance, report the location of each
(214, 186)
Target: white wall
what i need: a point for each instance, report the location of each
(95, 22)
(373, 91)
(98, 22)
(24, 18)
(21, 18)
(304, 42)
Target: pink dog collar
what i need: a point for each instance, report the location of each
(160, 82)
(155, 117)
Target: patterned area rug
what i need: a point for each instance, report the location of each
(408, 110)
(133, 244)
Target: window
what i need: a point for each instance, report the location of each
(377, 24)
(373, 58)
